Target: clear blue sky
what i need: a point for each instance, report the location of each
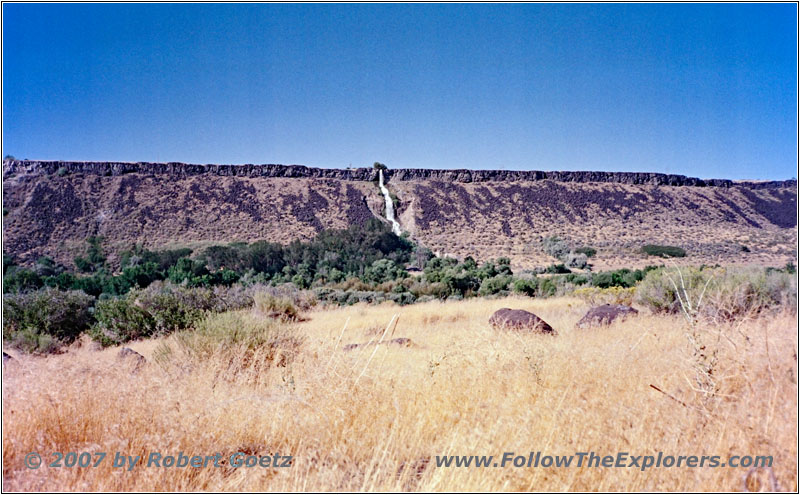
(704, 90)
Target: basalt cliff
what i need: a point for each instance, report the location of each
(51, 207)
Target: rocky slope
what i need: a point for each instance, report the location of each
(51, 207)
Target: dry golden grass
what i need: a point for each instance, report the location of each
(374, 418)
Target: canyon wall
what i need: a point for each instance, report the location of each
(50, 208)
(369, 174)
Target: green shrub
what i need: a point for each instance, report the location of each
(729, 292)
(617, 278)
(94, 259)
(436, 290)
(160, 309)
(46, 267)
(547, 287)
(384, 270)
(8, 262)
(44, 320)
(560, 268)
(526, 286)
(120, 320)
(494, 285)
(588, 251)
(663, 251)
(403, 298)
(164, 259)
(17, 279)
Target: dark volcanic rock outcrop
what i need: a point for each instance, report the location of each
(519, 319)
(605, 315)
(368, 174)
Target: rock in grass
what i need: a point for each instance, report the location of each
(519, 319)
(605, 314)
(132, 356)
(399, 341)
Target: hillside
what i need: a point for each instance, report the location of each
(51, 207)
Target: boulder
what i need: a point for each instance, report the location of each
(605, 314)
(399, 341)
(7, 357)
(128, 354)
(519, 319)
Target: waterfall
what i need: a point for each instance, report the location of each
(389, 205)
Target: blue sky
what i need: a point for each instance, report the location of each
(704, 90)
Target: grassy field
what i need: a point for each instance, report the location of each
(376, 417)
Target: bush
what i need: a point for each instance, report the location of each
(94, 259)
(730, 292)
(281, 308)
(302, 299)
(555, 247)
(588, 251)
(44, 320)
(8, 262)
(120, 320)
(494, 285)
(611, 295)
(663, 251)
(18, 279)
(245, 344)
(436, 290)
(160, 309)
(560, 268)
(402, 299)
(547, 287)
(576, 260)
(46, 267)
(163, 259)
(383, 271)
(526, 286)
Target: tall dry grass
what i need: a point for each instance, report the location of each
(373, 418)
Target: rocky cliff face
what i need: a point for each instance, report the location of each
(50, 208)
(11, 167)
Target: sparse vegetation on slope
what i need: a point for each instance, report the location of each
(664, 251)
(487, 218)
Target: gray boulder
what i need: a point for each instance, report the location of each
(605, 315)
(129, 355)
(519, 319)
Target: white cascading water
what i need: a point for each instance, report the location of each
(389, 205)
